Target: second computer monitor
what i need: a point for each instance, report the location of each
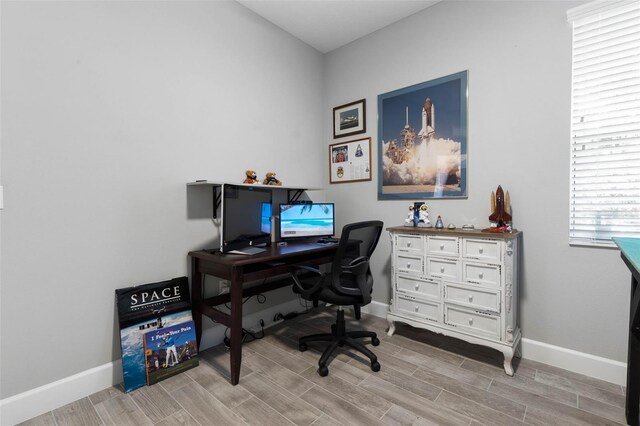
(307, 220)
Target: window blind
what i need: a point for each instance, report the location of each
(605, 122)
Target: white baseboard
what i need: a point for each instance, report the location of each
(567, 359)
(376, 308)
(34, 402)
(577, 362)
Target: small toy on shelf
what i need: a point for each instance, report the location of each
(423, 217)
(451, 226)
(439, 223)
(409, 220)
(271, 179)
(500, 217)
(252, 177)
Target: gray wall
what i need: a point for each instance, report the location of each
(108, 109)
(518, 55)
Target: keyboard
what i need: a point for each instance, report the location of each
(327, 241)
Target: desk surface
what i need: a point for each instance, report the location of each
(273, 253)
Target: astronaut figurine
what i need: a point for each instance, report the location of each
(423, 221)
(410, 216)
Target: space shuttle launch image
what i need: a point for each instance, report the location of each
(431, 162)
(428, 120)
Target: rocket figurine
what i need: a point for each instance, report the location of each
(500, 214)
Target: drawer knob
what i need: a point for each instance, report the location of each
(470, 320)
(408, 243)
(471, 298)
(480, 250)
(408, 265)
(480, 275)
(416, 308)
(441, 246)
(442, 269)
(417, 287)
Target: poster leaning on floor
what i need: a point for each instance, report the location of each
(149, 308)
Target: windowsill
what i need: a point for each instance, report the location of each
(593, 244)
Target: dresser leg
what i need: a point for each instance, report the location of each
(392, 327)
(508, 357)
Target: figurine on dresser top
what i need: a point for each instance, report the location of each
(409, 220)
(423, 217)
(439, 223)
(500, 217)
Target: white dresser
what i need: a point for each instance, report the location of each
(462, 284)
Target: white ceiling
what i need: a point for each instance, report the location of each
(329, 24)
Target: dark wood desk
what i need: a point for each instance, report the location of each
(630, 252)
(240, 269)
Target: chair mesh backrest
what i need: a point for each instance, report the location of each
(357, 239)
(366, 233)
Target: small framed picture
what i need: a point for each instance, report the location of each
(349, 119)
(350, 161)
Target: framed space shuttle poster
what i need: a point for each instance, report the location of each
(422, 132)
(350, 161)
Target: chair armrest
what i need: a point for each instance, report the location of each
(359, 260)
(309, 289)
(358, 268)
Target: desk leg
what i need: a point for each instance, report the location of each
(633, 359)
(236, 326)
(196, 298)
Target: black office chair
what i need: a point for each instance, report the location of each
(348, 283)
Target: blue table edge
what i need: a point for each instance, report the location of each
(630, 249)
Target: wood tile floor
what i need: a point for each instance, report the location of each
(425, 379)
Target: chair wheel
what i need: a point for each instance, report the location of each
(375, 366)
(302, 347)
(323, 370)
(375, 341)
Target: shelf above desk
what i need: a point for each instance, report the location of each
(293, 192)
(259, 185)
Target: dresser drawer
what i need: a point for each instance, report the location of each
(410, 243)
(422, 309)
(424, 288)
(409, 264)
(472, 321)
(481, 249)
(480, 273)
(445, 246)
(443, 268)
(473, 297)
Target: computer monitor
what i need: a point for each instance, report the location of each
(246, 217)
(265, 218)
(307, 220)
